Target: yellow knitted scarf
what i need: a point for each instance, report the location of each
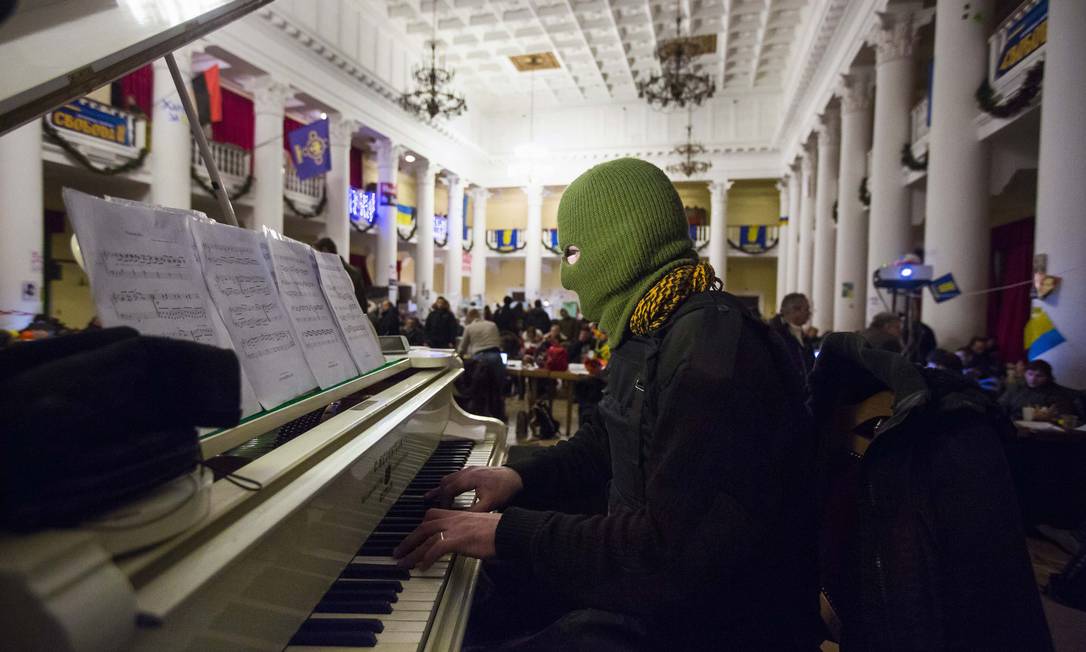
(664, 298)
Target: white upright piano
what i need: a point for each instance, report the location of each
(303, 562)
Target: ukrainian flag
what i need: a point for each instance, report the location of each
(405, 215)
(1041, 334)
(505, 239)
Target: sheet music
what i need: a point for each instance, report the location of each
(249, 403)
(316, 327)
(143, 271)
(244, 293)
(353, 322)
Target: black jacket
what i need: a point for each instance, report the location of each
(702, 453)
(801, 355)
(923, 547)
(441, 329)
(538, 317)
(389, 323)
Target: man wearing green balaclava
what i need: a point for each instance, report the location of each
(680, 513)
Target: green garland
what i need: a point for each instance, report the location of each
(995, 106)
(306, 214)
(369, 226)
(78, 156)
(865, 194)
(411, 233)
(470, 244)
(835, 211)
(910, 161)
(443, 242)
(503, 251)
(241, 191)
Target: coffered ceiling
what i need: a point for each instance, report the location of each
(603, 47)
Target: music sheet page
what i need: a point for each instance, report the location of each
(143, 271)
(316, 327)
(244, 292)
(353, 322)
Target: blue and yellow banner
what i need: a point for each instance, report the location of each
(89, 118)
(506, 240)
(309, 149)
(550, 239)
(754, 239)
(405, 215)
(944, 288)
(1041, 334)
(1025, 36)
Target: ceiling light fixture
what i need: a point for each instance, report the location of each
(529, 155)
(679, 82)
(410, 158)
(432, 97)
(688, 166)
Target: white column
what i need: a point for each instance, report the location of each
(388, 165)
(21, 222)
(850, 285)
(795, 203)
(337, 224)
(533, 249)
(957, 225)
(171, 139)
(454, 253)
(426, 177)
(718, 227)
(478, 248)
(268, 98)
(782, 242)
(890, 235)
(1061, 193)
(829, 163)
(805, 276)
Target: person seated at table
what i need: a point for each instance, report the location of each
(532, 342)
(1040, 392)
(579, 347)
(412, 330)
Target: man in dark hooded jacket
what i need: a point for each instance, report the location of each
(681, 513)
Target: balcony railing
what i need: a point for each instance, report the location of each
(306, 194)
(234, 164)
(699, 233)
(1017, 45)
(919, 128)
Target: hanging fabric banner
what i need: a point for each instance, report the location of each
(1041, 334)
(309, 150)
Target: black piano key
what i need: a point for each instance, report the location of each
(357, 579)
(353, 607)
(354, 595)
(360, 638)
(343, 625)
(371, 571)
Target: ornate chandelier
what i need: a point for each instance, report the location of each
(432, 97)
(688, 166)
(679, 82)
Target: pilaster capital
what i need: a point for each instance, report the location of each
(718, 189)
(342, 129)
(857, 90)
(269, 94)
(479, 194)
(427, 172)
(782, 184)
(452, 180)
(535, 193)
(808, 156)
(829, 128)
(387, 152)
(895, 33)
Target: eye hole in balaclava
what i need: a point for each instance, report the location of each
(571, 255)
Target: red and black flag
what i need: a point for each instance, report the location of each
(205, 87)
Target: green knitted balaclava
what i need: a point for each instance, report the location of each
(628, 222)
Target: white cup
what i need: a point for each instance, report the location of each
(1027, 414)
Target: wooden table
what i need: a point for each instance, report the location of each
(575, 374)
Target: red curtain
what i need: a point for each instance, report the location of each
(135, 88)
(236, 126)
(289, 125)
(1011, 262)
(356, 168)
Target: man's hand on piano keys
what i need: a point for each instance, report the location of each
(494, 487)
(444, 531)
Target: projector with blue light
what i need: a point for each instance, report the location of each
(903, 276)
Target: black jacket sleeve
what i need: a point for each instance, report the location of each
(715, 484)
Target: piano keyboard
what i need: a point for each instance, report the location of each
(374, 604)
